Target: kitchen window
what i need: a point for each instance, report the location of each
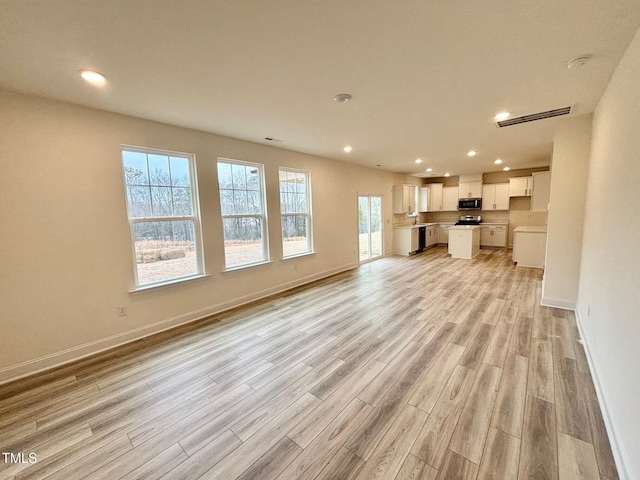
(164, 220)
(242, 204)
(295, 212)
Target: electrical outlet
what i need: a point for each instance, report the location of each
(122, 310)
(588, 310)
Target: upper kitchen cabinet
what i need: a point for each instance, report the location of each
(404, 198)
(495, 196)
(520, 186)
(436, 197)
(430, 198)
(541, 190)
(470, 190)
(450, 199)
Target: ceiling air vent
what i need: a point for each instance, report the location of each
(534, 117)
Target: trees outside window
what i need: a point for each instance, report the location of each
(295, 211)
(243, 212)
(163, 215)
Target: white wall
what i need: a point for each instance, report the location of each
(65, 253)
(609, 300)
(569, 168)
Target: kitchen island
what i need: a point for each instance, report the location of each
(464, 241)
(529, 246)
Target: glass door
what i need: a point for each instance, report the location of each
(370, 227)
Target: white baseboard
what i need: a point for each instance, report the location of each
(615, 446)
(57, 359)
(558, 303)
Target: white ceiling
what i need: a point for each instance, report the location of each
(426, 76)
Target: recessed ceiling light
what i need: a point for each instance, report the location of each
(497, 161)
(348, 148)
(429, 169)
(506, 169)
(418, 160)
(447, 174)
(472, 153)
(342, 98)
(502, 116)
(93, 77)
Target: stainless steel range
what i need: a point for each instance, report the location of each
(469, 220)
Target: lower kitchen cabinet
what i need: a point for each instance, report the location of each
(431, 236)
(443, 233)
(405, 241)
(493, 236)
(529, 246)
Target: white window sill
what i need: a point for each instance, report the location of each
(168, 283)
(248, 265)
(293, 257)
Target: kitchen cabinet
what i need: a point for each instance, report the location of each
(405, 240)
(443, 233)
(470, 190)
(495, 196)
(493, 236)
(424, 199)
(541, 191)
(430, 198)
(529, 246)
(450, 199)
(404, 198)
(520, 186)
(415, 239)
(435, 189)
(431, 236)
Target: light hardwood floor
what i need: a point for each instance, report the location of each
(423, 367)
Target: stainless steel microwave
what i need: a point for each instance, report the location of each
(470, 204)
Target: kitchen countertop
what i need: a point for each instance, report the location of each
(448, 224)
(531, 229)
(415, 226)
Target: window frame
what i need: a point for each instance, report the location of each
(266, 258)
(195, 216)
(308, 214)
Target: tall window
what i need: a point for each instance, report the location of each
(163, 215)
(243, 214)
(295, 211)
